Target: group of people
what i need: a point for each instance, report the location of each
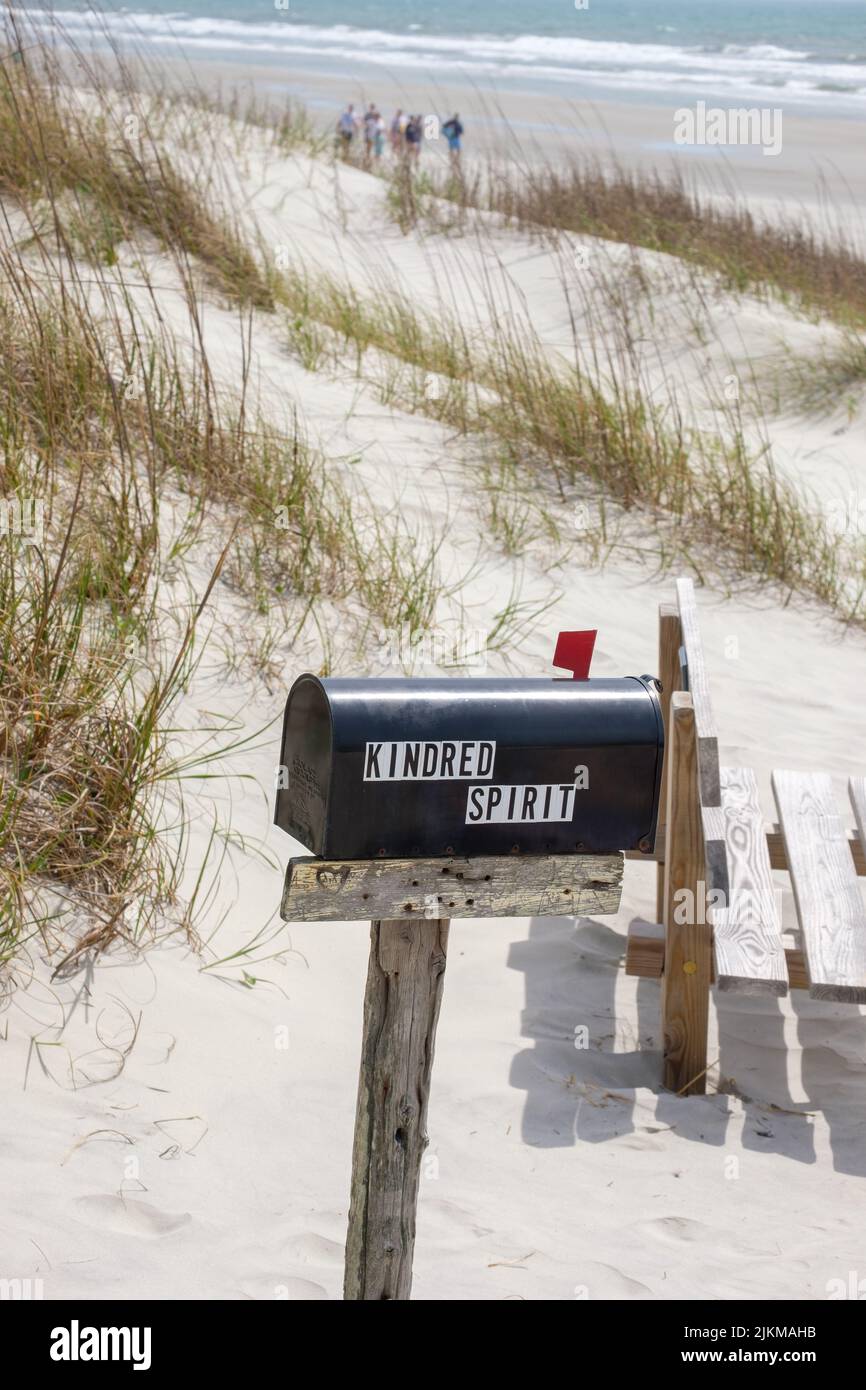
(403, 134)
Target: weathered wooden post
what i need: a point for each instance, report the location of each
(401, 1010)
(523, 795)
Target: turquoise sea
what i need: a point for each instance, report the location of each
(805, 53)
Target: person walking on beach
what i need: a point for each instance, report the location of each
(371, 116)
(346, 123)
(453, 130)
(379, 132)
(396, 132)
(413, 138)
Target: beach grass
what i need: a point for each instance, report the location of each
(117, 436)
(789, 258)
(698, 494)
(96, 167)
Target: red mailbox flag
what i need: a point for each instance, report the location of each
(574, 653)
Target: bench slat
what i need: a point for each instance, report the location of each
(699, 689)
(709, 789)
(857, 797)
(830, 909)
(747, 933)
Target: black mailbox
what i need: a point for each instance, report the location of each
(428, 768)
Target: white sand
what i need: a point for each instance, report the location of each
(200, 1159)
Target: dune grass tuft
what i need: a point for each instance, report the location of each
(117, 431)
(820, 274)
(698, 493)
(99, 170)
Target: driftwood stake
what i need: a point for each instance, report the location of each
(401, 1009)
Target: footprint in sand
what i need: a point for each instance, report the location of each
(642, 1140)
(603, 1281)
(298, 1290)
(681, 1230)
(129, 1217)
(309, 1248)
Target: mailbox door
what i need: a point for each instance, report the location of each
(304, 774)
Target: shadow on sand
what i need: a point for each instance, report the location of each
(584, 1064)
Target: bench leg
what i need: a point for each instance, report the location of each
(688, 941)
(401, 1009)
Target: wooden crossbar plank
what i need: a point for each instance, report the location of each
(645, 956)
(524, 885)
(779, 858)
(829, 906)
(747, 931)
(699, 688)
(775, 848)
(645, 950)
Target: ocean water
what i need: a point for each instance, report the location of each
(805, 53)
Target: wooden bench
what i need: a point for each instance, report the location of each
(717, 905)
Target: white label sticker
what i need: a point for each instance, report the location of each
(527, 804)
(428, 761)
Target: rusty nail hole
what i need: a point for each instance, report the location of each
(566, 891)
(486, 878)
(414, 885)
(470, 902)
(446, 871)
(407, 907)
